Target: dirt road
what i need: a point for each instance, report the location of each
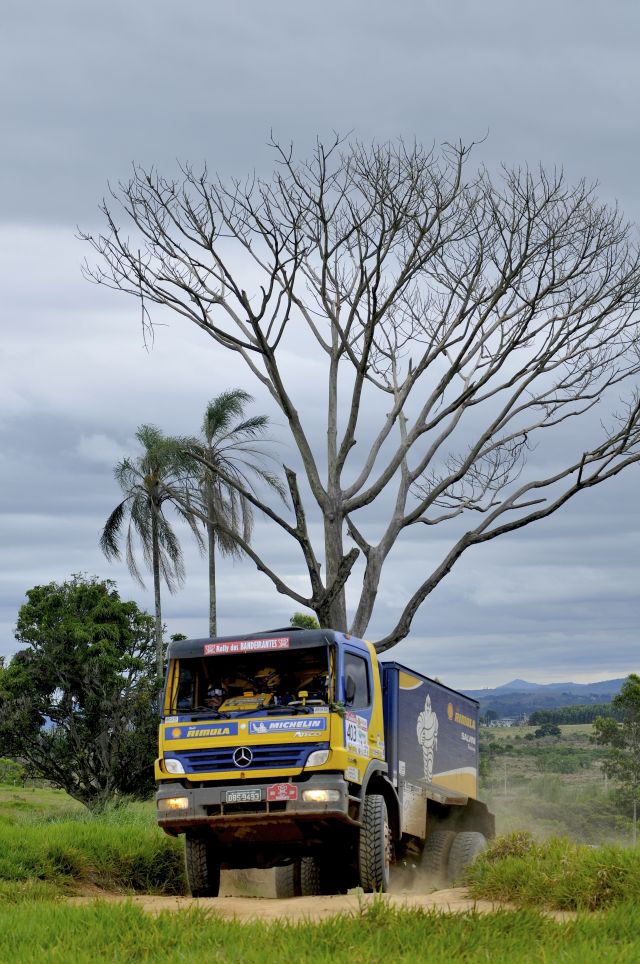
(455, 900)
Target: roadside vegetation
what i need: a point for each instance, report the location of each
(555, 874)
(51, 847)
(123, 932)
(552, 785)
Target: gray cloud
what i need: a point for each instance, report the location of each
(88, 89)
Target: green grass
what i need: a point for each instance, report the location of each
(556, 873)
(37, 802)
(48, 849)
(57, 933)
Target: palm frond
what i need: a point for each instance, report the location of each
(111, 532)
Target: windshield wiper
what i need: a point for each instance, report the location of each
(201, 711)
(289, 709)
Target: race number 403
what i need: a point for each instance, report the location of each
(356, 734)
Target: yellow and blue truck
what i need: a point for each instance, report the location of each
(297, 749)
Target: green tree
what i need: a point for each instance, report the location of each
(228, 458)
(150, 482)
(547, 729)
(78, 705)
(622, 762)
(304, 621)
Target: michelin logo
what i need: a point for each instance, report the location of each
(427, 733)
(313, 723)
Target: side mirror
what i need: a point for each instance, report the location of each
(349, 689)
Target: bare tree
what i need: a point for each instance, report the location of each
(474, 313)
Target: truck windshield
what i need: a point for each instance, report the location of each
(229, 684)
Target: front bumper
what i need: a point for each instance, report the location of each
(263, 820)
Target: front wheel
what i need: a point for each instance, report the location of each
(374, 856)
(202, 867)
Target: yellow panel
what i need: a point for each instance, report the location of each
(409, 682)
(461, 780)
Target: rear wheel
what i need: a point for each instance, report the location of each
(434, 862)
(301, 878)
(310, 877)
(464, 850)
(202, 867)
(288, 880)
(374, 857)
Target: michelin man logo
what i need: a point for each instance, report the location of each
(427, 730)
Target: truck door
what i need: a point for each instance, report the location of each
(358, 699)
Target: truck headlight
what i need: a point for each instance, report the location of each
(317, 758)
(173, 766)
(320, 796)
(173, 803)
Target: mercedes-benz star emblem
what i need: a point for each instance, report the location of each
(243, 757)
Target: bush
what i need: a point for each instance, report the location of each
(11, 772)
(556, 873)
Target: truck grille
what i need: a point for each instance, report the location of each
(263, 758)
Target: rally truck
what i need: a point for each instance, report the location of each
(316, 759)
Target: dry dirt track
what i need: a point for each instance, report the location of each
(455, 900)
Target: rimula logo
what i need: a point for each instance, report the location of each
(209, 731)
(465, 720)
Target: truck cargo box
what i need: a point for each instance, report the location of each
(431, 737)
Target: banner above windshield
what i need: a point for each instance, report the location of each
(262, 641)
(247, 646)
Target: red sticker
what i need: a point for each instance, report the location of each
(247, 646)
(282, 791)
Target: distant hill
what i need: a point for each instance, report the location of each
(520, 696)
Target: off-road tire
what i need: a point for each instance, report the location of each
(434, 862)
(374, 852)
(288, 880)
(202, 867)
(310, 877)
(464, 850)
(301, 878)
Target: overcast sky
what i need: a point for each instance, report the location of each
(87, 89)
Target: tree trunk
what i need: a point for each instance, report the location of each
(156, 593)
(211, 546)
(336, 618)
(213, 614)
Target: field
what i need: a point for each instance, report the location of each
(551, 786)
(51, 848)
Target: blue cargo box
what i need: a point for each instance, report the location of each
(431, 737)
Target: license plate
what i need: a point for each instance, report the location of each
(243, 796)
(282, 791)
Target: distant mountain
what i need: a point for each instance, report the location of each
(517, 686)
(520, 696)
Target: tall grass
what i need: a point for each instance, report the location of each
(122, 849)
(556, 873)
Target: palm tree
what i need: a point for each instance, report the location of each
(228, 451)
(150, 481)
